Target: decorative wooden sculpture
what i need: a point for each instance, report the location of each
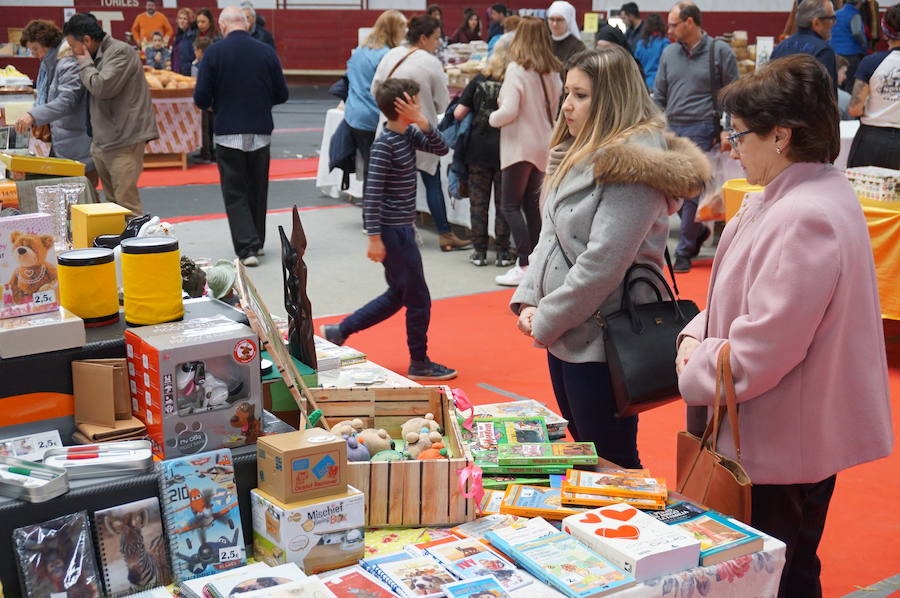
(296, 300)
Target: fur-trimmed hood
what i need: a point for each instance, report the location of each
(680, 170)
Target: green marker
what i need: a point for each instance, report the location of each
(32, 473)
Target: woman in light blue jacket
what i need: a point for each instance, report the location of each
(360, 110)
(650, 47)
(61, 99)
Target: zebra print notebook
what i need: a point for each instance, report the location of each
(132, 547)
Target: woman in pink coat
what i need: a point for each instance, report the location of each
(793, 291)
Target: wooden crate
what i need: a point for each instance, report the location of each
(404, 493)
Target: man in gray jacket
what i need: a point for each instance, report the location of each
(691, 72)
(121, 115)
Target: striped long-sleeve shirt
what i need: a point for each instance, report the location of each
(390, 193)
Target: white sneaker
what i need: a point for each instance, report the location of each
(250, 261)
(513, 276)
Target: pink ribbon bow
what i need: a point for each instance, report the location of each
(462, 403)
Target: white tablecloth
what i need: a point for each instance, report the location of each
(848, 132)
(329, 183)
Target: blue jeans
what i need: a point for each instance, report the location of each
(434, 195)
(406, 288)
(704, 135)
(584, 394)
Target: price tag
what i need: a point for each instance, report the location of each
(231, 553)
(31, 447)
(44, 297)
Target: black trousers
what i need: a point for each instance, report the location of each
(795, 514)
(521, 187)
(875, 146)
(363, 140)
(584, 394)
(245, 189)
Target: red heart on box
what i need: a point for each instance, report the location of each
(591, 518)
(619, 515)
(624, 532)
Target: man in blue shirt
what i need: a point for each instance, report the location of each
(848, 39)
(815, 18)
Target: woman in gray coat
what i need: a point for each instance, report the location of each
(61, 99)
(612, 182)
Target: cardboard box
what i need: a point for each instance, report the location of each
(319, 534)
(101, 391)
(302, 465)
(93, 219)
(41, 333)
(41, 165)
(196, 384)
(28, 280)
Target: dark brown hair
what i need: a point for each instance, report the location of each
(419, 26)
(45, 33)
(689, 10)
(795, 92)
(390, 90)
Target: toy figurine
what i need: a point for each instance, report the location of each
(376, 440)
(355, 450)
(245, 419)
(199, 390)
(437, 451)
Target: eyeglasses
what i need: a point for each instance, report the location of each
(732, 139)
(674, 25)
(831, 18)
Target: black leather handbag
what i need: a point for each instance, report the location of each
(640, 341)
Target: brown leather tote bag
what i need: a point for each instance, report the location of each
(704, 476)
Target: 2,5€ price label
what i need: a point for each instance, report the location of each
(230, 553)
(44, 297)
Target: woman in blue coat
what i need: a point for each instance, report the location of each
(650, 47)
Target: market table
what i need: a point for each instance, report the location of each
(329, 183)
(848, 132)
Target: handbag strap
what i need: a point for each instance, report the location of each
(401, 61)
(724, 385)
(546, 102)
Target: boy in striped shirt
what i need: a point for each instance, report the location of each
(389, 211)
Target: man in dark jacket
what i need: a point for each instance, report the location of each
(815, 18)
(241, 79)
(257, 24)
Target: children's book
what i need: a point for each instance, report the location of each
(132, 547)
(311, 587)
(373, 566)
(556, 425)
(479, 587)
(530, 530)
(599, 500)
(536, 501)
(251, 581)
(515, 430)
(589, 482)
(196, 588)
(201, 515)
(562, 562)
(721, 539)
(479, 527)
(634, 541)
(547, 453)
(159, 592)
(490, 502)
(356, 583)
(502, 481)
(472, 558)
(420, 577)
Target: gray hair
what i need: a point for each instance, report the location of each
(233, 15)
(246, 4)
(809, 10)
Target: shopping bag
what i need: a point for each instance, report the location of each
(711, 207)
(703, 475)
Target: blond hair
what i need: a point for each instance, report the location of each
(531, 48)
(496, 65)
(389, 30)
(620, 107)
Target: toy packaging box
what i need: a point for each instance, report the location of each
(195, 384)
(318, 534)
(28, 279)
(302, 465)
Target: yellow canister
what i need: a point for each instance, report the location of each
(87, 285)
(151, 280)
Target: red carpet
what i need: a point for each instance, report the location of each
(208, 174)
(477, 335)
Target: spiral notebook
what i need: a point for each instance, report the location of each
(200, 513)
(132, 547)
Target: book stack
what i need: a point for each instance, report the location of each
(355, 582)
(560, 560)
(330, 356)
(600, 489)
(536, 501)
(556, 425)
(408, 575)
(510, 445)
(472, 559)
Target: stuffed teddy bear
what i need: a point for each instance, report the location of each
(33, 272)
(355, 450)
(375, 440)
(348, 427)
(419, 425)
(437, 451)
(417, 442)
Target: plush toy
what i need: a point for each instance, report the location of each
(418, 442)
(389, 455)
(437, 451)
(348, 427)
(419, 425)
(355, 450)
(375, 440)
(33, 272)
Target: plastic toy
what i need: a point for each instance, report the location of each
(199, 390)
(375, 440)
(355, 450)
(437, 451)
